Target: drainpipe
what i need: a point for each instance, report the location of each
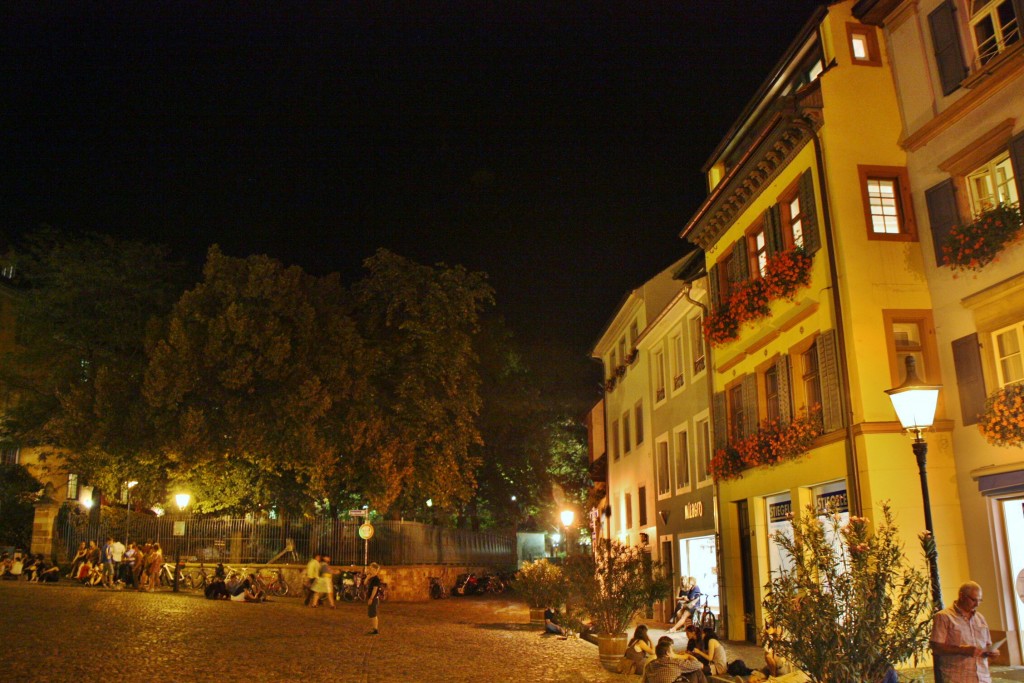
(718, 500)
(853, 484)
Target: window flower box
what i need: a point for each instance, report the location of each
(1002, 423)
(775, 442)
(974, 245)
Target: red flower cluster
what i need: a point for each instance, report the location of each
(784, 276)
(974, 245)
(775, 442)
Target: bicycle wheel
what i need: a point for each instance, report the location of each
(707, 620)
(279, 587)
(349, 594)
(187, 581)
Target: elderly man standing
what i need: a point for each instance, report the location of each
(961, 642)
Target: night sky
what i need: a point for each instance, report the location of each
(556, 146)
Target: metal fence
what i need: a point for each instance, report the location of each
(247, 541)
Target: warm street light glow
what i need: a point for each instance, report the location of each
(915, 401)
(182, 499)
(513, 499)
(430, 502)
(158, 511)
(567, 517)
(87, 503)
(132, 484)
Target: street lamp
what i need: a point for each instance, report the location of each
(182, 499)
(567, 517)
(915, 403)
(128, 508)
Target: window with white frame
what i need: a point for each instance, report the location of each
(704, 448)
(992, 185)
(664, 482)
(72, 490)
(995, 26)
(682, 460)
(697, 343)
(634, 332)
(678, 363)
(659, 375)
(1009, 361)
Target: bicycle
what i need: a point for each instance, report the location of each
(707, 617)
(167, 576)
(275, 584)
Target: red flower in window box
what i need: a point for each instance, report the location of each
(973, 246)
(775, 442)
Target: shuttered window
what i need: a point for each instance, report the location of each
(830, 380)
(970, 378)
(946, 46)
(785, 403)
(750, 422)
(771, 393)
(942, 214)
(736, 416)
(682, 460)
(704, 449)
(721, 426)
(664, 484)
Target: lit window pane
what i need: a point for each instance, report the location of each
(883, 206)
(1011, 363)
(860, 48)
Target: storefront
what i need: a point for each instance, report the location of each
(1005, 491)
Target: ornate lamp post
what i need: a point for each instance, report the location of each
(567, 518)
(182, 499)
(915, 402)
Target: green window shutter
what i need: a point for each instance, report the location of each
(740, 267)
(831, 384)
(942, 214)
(785, 390)
(720, 424)
(749, 392)
(714, 290)
(970, 379)
(1017, 143)
(773, 230)
(812, 235)
(949, 56)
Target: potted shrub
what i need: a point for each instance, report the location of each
(541, 585)
(606, 592)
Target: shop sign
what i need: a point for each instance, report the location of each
(836, 499)
(781, 511)
(693, 510)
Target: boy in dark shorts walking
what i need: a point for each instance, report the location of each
(373, 597)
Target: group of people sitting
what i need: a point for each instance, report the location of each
(246, 590)
(32, 567)
(117, 566)
(705, 656)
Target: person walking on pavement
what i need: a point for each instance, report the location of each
(373, 597)
(324, 584)
(961, 641)
(312, 573)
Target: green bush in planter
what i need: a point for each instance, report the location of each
(540, 583)
(610, 588)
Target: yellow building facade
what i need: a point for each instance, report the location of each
(813, 253)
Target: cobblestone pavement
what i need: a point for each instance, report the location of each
(65, 632)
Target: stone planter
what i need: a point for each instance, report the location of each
(611, 648)
(537, 616)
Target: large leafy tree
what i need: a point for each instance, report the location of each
(83, 310)
(18, 491)
(421, 417)
(252, 382)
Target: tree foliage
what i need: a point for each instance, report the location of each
(848, 613)
(18, 491)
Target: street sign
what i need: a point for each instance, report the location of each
(179, 528)
(357, 513)
(366, 531)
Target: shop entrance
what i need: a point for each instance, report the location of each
(1013, 519)
(697, 558)
(747, 566)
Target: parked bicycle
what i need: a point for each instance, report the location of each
(707, 618)
(272, 581)
(167, 572)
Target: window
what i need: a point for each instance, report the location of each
(792, 219)
(622, 349)
(1009, 362)
(664, 485)
(757, 249)
(612, 364)
(887, 208)
(992, 185)
(629, 511)
(638, 415)
(634, 332)
(697, 343)
(704, 448)
(736, 415)
(682, 460)
(863, 44)
(641, 501)
(625, 433)
(615, 439)
(994, 27)
(659, 377)
(10, 455)
(811, 379)
(725, 268)
(910, 333)
(771, 392)
(72, 491)
(677, 362)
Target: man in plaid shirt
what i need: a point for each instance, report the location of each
(961, 642)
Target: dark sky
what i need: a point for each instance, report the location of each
(556, 146)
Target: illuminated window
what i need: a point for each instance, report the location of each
(697, 343)
(72, 490)
(771, 392)
(992, 185)
(995, 26)
(758, 250)
(704, 448)
(678, 363)
(863, 45)
(793, 220)
(659, 378)
(887, 208)
(884, 212)
(1009, 361)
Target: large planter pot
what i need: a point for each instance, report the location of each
(537, 616)
(611, 648)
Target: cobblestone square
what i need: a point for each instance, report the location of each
(65, 632)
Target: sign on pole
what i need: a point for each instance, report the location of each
(179, 528)
(357, 513)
